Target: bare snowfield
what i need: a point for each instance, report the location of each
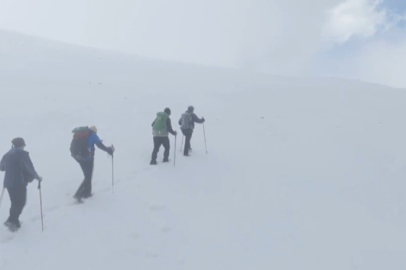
(301, 174)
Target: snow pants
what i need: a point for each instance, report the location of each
(18, 198)
(158, 141)
(85, 189)
(188, 136)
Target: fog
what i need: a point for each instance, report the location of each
(287, 37)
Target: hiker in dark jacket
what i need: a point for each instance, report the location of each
(187, 124)
(87, 163)
(19, 171)
(161, 127)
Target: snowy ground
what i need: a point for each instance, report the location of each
(300, 174)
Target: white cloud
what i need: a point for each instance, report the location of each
(363, 18)
(278, 36)
(381, 61)
(378, 55)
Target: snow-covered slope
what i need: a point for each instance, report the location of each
(300, 174)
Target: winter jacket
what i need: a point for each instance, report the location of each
(18, 167)
(91, 142)
(168, 129)
(195, 119)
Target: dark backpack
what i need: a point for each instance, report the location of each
(186, 122)
(78, 147)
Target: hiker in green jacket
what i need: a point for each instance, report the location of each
(161, 127)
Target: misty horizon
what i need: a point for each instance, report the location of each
(356, 39)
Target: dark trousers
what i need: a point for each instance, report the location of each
(188, 136)
(85, 189)
(18, 197)
(158, 141)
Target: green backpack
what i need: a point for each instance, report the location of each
(159, 127)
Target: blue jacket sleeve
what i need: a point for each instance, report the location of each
(28, 167)
(101, 146)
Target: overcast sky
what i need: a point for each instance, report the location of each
(362, 39)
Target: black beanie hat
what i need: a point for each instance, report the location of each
(18, 142)
(168, 111)
(190, 109)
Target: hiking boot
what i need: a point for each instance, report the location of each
(166, 160)
(186, 154)
(78, 198)
(12, 226)
(153, 162)
(7, 223)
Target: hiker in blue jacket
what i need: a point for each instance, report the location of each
(187, 124)
(19, 171)
(87, 163)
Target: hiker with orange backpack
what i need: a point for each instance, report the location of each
(83, 150)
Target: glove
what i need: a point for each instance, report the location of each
(39, 179)
(204, 120)
(111, 150)
(176, 133)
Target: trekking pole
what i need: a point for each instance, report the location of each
(1, 196)
(112, 168)
(204, 133)
(112, 172)
(174, 152)
(181, 145)
(40, 202)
